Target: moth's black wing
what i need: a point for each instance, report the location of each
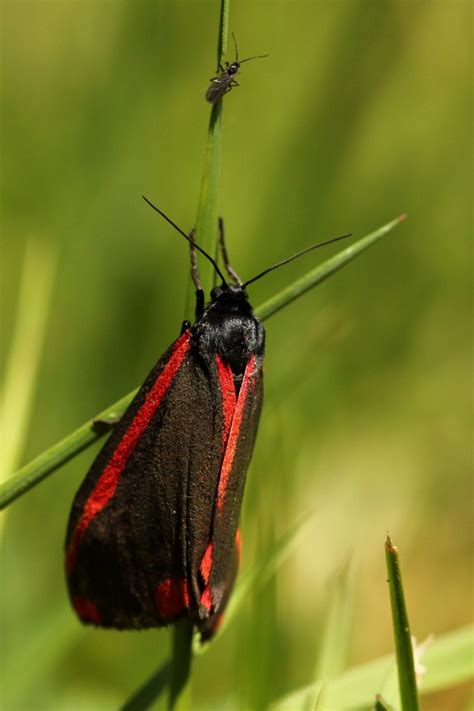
(209, 626)
(127, 550)
(219, 569)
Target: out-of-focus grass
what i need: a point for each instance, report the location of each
(24, 352)
(448, 660)
(363, 111)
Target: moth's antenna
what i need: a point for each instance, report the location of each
(295, 256)
(178, 229)
(236, 50)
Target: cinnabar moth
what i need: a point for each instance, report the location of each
(153, 532)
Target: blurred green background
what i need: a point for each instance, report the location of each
(362, 111)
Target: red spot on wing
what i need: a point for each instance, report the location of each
(205, 570)
(206, 564)
(172, 597)
(234, 433)
(87, 610)
(107, 483)
(206, 599)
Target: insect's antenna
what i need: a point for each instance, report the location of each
(257, 56)
(295, 256)
(236, 50)
(178, 229)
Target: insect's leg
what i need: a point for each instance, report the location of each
(234, 82)
(195, 276)
(225, 257)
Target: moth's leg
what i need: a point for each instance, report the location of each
(225, 257)
(234, 82)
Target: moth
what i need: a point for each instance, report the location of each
(153, 534)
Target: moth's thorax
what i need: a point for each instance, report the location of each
(229, 328)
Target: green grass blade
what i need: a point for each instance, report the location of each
(381, 705)
(151, 690)
(256, 576)
(208, 205)
(180, 666)
(448, 662)
(51, 459)
(401, 629)
(206, 235)
(323, 271)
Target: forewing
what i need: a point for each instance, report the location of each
(127, 551)
(236, 459)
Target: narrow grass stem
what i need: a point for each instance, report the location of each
(401, 629)
(208, 205)
(206, 236)
(144, 697)
(179, 693)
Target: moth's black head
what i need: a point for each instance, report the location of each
(229, 328)
(229, 293)
(233, 68)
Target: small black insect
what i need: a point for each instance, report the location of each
(224, 82)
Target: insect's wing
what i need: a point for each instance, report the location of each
(240, 417)
(216, 89)
(127, 555)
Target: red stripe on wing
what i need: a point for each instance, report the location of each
(232, 412)
(234, 433)
(229, 397)
(107, 483)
